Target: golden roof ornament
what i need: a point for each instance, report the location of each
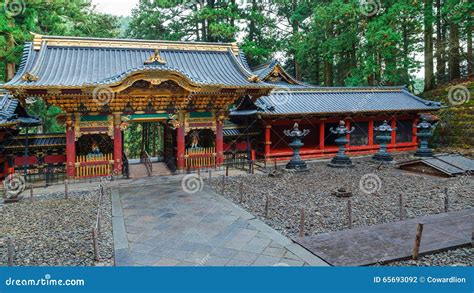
(254, 78)
(155, 59)
(29, 77)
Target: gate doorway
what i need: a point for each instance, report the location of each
(144, 137)
(145, 146)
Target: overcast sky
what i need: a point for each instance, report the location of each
(116, 7)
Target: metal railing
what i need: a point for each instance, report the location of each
(125, 166)
(146, 159)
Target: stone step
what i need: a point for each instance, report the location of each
(139, 170)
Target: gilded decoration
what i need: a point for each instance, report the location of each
(254, 78)
(38, 41)
(174, 121)
(29, 77)
(155, 59)
(194, 123)
(94, 127)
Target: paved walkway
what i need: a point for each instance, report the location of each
(392, 241)
(156, 223)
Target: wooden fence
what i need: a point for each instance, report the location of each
(94, 166)
(200, 158)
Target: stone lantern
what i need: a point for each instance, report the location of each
(297, 135)
(424, 133)
(384, 136)
(341, 160)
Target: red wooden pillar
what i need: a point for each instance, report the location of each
(219, 141)
(322, 135)
(371, 132)
(348, 136)
(394, 133)
(268, 142)
(117, 145)
(70, 148)
(180, 146)
(414, 130)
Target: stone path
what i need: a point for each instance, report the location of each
(392, 241)
(156, 223)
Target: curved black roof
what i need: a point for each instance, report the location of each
(77, 62)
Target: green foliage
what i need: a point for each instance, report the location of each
(210, 21)
(59, 17)
(48, 115)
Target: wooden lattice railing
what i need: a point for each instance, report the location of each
(94, 166)
(200, 158)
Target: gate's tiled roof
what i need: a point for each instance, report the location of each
(68, 62)
(76, 62)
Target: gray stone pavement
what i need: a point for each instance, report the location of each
(156, 223)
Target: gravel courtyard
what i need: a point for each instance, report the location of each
(375, 196)
(54, 231)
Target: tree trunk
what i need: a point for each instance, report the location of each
(454, 57)
(342, 66)
(196, 28)
(316, 71)
(440, 43)
(295, 28)
(10, 71)
(203, 25)
(328, 75)
(428, 32)
(353, 57)
(469, 57)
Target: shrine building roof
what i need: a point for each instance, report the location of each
(331, 100)
(73, 62)
(293, 97)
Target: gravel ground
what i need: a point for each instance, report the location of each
(54, 231)
(375, 195)
(456, 257)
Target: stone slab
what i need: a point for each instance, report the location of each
(391, 241)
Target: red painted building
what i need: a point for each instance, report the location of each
(321, 108)
(187, 89)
